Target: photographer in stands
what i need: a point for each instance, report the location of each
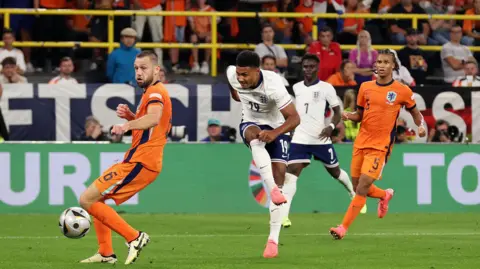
(445, 133)
(219, 133)
(93, 131)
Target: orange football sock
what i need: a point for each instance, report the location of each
(112, 220)
(376, 192)
(104, 238)
(353, 210)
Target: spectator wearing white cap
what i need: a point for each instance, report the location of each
(120, 61)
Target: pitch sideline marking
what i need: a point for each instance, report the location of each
(259, 235)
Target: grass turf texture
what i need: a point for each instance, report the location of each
(237, 241)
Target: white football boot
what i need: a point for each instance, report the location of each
(98, 258)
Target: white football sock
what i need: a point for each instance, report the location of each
(263, 162)
(276, 216)
(345, 180)
(289, 189)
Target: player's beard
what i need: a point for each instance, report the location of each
(146, 82)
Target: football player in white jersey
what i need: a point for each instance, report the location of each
(312, 137)
(268, 114)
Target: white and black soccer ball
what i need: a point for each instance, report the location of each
(74, 222)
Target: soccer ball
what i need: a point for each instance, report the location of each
(74, 222)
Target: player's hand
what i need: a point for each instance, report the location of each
(267, 136)
(123, 112)
(120, 129)
(421, 131)
(326, 132)
(345, 115)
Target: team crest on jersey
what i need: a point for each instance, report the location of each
(263, 99)
(316, 96)
(391, 97)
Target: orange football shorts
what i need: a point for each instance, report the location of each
(123, 180)
(369, 162)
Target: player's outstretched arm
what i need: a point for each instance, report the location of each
(419, 121)
(151, 119)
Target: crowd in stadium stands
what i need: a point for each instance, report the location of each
(267, 32)
(339, 67)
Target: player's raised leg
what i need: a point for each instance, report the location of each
(263, 161)
(276, 213)
(118, 184)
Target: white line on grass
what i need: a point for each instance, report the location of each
(256, 235)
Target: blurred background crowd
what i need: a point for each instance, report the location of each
(455, 64)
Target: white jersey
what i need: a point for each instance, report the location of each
(63, 80)
(262, 105)
(311, 102)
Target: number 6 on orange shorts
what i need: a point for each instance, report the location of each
(123, 180)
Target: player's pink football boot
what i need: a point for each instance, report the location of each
(271, 250)
(277, 196)
(383, 204)
(338, 232)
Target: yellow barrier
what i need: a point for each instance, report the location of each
(214, 46)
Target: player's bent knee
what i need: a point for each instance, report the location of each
(364, 184)
(90, 196)
(296, 168)
(334, 172)
(251, 134)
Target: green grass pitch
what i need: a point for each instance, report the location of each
(427, 241)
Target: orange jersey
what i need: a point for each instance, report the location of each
(202, 24)
(147, 145)
(381, 106)
(148, 4)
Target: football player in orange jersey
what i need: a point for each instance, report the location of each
(150, 126)
(378, 106)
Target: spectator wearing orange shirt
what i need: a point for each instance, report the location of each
(155, 23)
(174, 30)
(351, 26)
(201, 27)
(328, 52)
(282, 26)
(344, 77)
(471, 28)
(305, 24)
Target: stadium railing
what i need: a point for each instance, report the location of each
(214, 45)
